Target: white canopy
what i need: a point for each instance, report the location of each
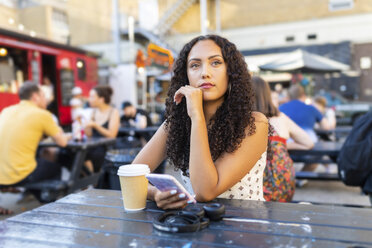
(300, 60)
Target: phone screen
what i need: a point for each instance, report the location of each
(164, 184)
(167, 183)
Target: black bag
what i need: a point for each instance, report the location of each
(355, 158)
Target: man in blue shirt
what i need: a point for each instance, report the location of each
(304, 115)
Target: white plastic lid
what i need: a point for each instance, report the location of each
(132, 170)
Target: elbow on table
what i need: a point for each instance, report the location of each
(204, 197)
(311, 145)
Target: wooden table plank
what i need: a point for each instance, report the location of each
(141, 230)
(304, 230)
(67, 237)
(109, 197)
(280, 212)
(96, 218)
(29, 243)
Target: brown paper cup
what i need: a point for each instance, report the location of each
(134, 186)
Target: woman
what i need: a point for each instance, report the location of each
(105, 122)
(210, 133)
(279, 175)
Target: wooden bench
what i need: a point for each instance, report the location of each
(49, 190)
(45, 191)
(310, 175)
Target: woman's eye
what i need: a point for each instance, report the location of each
(194, 65)
(217, 62)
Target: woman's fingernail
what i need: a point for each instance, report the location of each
(173, 192)
(190, 201)
(181, 195)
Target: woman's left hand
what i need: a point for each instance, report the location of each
(194, 100)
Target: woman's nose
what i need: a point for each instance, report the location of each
(205, 72)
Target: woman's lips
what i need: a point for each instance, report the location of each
(206, 86)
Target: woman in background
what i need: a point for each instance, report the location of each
(105, 122)
(279, 174)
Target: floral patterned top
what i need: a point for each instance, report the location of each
(250, 187)
(279, 174)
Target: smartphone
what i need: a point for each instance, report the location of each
(167, 182)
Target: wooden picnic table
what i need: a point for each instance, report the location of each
(149, 131)
(52, 188)
(321, 148)
(336, 133)
(330, 149)
(96, 218)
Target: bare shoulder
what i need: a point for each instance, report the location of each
(259, 117)
(286, 119)
(115, 110)
(283, 116)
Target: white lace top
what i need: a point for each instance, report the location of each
(250, 187)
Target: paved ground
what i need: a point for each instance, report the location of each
(329, 192)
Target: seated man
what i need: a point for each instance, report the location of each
(134, 117)
(304, 115)
(22, 126)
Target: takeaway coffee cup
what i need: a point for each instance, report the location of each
(133, 185)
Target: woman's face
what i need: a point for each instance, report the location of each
(93, 99)
(207, 70)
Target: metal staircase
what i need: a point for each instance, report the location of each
(165, 24)
(172, 15)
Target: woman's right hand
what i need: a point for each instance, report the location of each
(194, 100)
(170, 199)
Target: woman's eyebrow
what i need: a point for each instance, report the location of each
(210, 57)
(196, 59)
(213, 56)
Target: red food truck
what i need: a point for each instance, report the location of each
(23, 57)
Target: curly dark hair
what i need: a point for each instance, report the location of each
(227, 128)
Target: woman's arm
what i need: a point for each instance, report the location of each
(88, 129)
(209, 179)
(154, 151)
(301, 139)
(153, 154)
(113, 127)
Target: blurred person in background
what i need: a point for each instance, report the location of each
(320, 103)
(48, 90)
(76, 102)
(275, 98)
(279, 174)
(22, 126)
(304, 115)
(104, 122)
(138, 118)
(282, 94)
(134, 117)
